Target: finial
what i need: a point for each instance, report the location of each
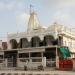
(55, 23)
(31, 8)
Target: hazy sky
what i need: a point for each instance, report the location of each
(14, 14)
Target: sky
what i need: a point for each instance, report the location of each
(14, 14)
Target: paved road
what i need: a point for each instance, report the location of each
(38, 72)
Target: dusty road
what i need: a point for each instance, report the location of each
(10, 72)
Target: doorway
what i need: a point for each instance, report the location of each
(50, 54)
(11, 57)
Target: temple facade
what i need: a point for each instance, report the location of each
(38, 45)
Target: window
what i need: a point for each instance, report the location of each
(23, 55)
(36, 60)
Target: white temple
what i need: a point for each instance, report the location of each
(38, 45)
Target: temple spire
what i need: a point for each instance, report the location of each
(33, 22)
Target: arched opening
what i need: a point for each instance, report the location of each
(35, 41)
(24, 43)
(58, 41)
(13, 43)
(48, 40)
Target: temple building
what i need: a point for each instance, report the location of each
(38, 45)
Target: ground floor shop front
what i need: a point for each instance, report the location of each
(30, 57)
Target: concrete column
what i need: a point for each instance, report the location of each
(42, 57)
(17, 59)
(3, 61)
(73, 63)
(29, 55)
(9, 45)
(42, 54)
(44, 61)
(6, 62)
(30, 60)
(57, 59)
